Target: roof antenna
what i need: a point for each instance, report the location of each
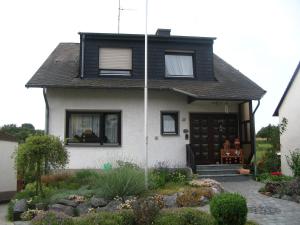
(119, 12)
(119, 15)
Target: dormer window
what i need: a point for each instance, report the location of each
(179, 64)
(115, 61)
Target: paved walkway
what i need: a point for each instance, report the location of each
(265, 210)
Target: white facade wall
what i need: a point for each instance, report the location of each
(8, 178)
(290, 109)
(170, 149)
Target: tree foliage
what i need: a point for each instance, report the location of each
(22, 132)
(272, 133)
(38, 153)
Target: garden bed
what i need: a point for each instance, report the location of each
(280, 186)
(111, 190)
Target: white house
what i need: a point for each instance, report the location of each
(94, 100)
(289, 108)
(8, 178)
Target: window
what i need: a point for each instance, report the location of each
(115, 61)
(169, 123)
(102, 128)
(179, 64)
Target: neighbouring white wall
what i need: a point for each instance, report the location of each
(8, 179)
(290, 109)
(161, 148)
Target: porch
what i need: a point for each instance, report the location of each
(209, 131)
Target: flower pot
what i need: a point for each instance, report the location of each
(244, 171)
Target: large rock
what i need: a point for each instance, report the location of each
(215, 186)
(68, 210)
(67, 202)
(98, 202)
(83, 208)
(114, 205)
(19, 207)
(170, 201)
(287, 197)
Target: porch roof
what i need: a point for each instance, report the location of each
(61, 70)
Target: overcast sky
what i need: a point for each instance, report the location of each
(259, 38)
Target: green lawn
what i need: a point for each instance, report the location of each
(261, 148)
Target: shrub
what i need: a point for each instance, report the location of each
(61, 194)
(122, 182)
(54, 180)
(162, 175)
(267, 177)
(10, 211)
(145, 211)
(292, 187)
(37, 155)
(294, 162)
(185, 216)
(229, 208)
(30, 214)
(52, 218)
(86, 177)
(106, 218)
(270, 162)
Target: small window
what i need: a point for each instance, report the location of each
(94, 127)
(115, 61)
(179, 65)
(169, 123)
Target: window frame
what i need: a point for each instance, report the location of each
(174, 113)
(130, 71)
(183, 53)
(101, 127)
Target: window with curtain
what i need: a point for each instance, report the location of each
(169, 123)
(115, 61)
(179, 65)
(93, 127)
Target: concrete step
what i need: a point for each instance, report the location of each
(218, 166)
(217, 171)
(226, 177)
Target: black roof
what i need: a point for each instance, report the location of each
(61, 70)
(286, 90)
(151, 37)
(7, 137)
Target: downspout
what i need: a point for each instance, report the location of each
(82, 55)
(47, 111)
(253, 135)
(46, 167)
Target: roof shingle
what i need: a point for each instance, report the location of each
(61, 70)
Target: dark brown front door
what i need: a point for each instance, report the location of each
(208, 133)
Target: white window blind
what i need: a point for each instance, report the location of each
(115, 58)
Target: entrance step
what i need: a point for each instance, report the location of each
(221, 172)
(219, 166)
(226, 177)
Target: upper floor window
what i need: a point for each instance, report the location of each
(178, 64)
(115, 61)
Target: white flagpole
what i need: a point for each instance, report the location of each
(146, 97)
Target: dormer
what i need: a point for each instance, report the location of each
(104, 55)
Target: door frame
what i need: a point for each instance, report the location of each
(236, 114)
